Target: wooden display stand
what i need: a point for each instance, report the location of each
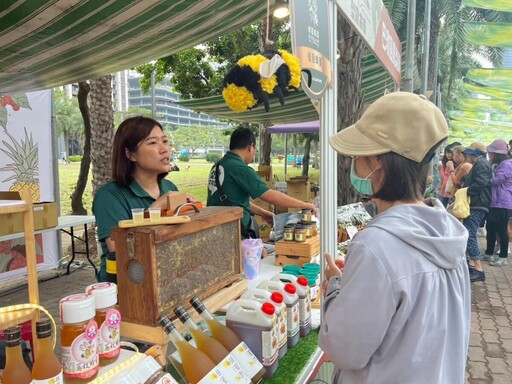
(292, 252)
(13, 318)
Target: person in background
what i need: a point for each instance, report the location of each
(400, 310)
(238, 183)
(478, 182)
(140, 163)
(446, 168)
(500, 210)
(463, 168)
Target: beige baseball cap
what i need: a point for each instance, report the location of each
(400, 122)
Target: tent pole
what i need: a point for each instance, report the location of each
(285, 155)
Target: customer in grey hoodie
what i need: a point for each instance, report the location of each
(400, 310)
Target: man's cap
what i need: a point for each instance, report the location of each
(498, 146)
(475, 149)
(399, 122)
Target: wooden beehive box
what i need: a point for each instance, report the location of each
(292, 252)
(161, 266)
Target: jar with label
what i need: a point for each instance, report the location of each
(108, 318)
(289, 232)
(305, 215)
(79, 338)
(300, 233)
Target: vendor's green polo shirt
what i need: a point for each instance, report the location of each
(239, 182)
(114, 202)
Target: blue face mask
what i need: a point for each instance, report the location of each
(363, 186)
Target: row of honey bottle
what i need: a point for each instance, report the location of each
(89, 336)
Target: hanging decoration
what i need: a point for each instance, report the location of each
(256, 78)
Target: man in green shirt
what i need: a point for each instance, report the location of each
(239, 183)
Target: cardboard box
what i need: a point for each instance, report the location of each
(265, 172)
(45, 216)
(263, 204)
(263, 227)
(175, 199)
(298, 188)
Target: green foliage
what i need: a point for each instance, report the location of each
(212, 157)
(184, 158)
(75, 159)
(120, 116)
(67, 115)
(195, 137)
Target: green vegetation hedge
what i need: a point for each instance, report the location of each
(184, 158)
(75, 158)
(212, 157)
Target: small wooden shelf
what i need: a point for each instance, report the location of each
(12, 318)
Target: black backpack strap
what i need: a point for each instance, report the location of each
(224, 199)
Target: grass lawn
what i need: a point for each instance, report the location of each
(192, 180)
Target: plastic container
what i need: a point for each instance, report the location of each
(291, 300)
(79, 338)
(300, 234)
(291, 269)
(108, 318)
(302, 285)
(312, 277)
(255, 324)
(277, 299)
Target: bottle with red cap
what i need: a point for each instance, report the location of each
(291, 300)
(277, 299)
(255, 323)
(302, 285)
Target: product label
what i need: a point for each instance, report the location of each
(269, 349)
(52, 380)
(109, 336)
(246, 359)
(305, 310)
(166, 379)
(282, 327)
(232, 372)
(81, 360)
(293, 320)
(214, 377)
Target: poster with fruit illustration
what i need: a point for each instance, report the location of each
(26, 163)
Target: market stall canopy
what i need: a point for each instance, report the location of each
(307, 127)
(47, 43)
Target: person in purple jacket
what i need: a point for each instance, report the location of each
(500, 210)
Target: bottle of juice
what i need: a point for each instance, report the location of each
(108, 318)
(47, 368)
(79, 338)
(233, 343)
(15, 371)
(196, 364)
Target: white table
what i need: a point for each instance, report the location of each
(64, 223)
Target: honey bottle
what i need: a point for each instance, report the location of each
(196, 364)
(15, 371)
(79, 338)
(47, 368)
(108, 318)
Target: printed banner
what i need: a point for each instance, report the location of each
(26, 163)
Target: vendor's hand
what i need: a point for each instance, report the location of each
(314, 209)
(267, 216)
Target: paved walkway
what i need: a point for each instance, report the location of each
(490, 351)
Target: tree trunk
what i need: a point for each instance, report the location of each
(350, 99)
(77, 205)
(66, 143)
(102, 131)
(307, 150)
(435, 26)
(266, 146)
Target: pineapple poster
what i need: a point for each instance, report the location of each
(26, 163)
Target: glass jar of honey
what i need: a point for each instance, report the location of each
(289, 232)
(305, 215)
(108, 318)
(78, 338)
(300, 233)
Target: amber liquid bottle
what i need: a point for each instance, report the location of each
(226, 336)
(47, 367)
(196, 364)
(15, 371)
(213, 348)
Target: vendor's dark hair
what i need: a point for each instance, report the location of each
(404, 179)
(129, 135)
(241, 138)
(499, 157)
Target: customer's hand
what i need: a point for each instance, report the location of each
(332, 268)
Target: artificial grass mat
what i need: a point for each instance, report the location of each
(293, 362)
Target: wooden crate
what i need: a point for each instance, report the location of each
(159, 267)
(308, 248)
(292, 260)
